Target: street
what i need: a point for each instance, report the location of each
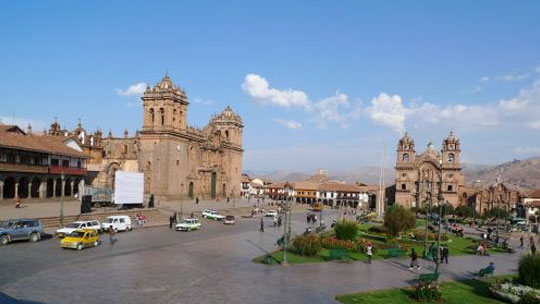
(213, 265)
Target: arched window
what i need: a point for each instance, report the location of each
(174, 115)
(162, 114)
(125, 149)
(227, 134)
(450, 188)
(403, 187)
(451, 157)
(405, 158)
(152, 116)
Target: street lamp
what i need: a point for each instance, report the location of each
(427, 189)
(181, 200)
(62, 200)
(441, 203)
(287, 221)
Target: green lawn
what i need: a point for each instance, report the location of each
(470, 291)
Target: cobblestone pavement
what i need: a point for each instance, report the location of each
(213, 265)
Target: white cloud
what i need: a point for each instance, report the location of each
(526, 151)
(201, 101)
(512, 77)
(537, 69)
(333, 109)
(533, 124)
(133, 90)
(484, 79)
(258, 88)
(291, 124)
(476, 89)
(388, 111)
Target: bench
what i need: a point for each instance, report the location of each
(486, 271)
(428, 277)
(395, 252)
(338, 254)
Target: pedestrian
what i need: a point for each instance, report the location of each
(521, 241)
(262, 226)
(414, 260)
(191, 215)
(171, 221)
(197, 200)
(369, 252)
(227, 199)
(151, 201)
(18, 202)
(445, 253)
(111, 231)
(308, 218)
(274, 221)
(533, 249)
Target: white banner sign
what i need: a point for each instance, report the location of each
(129, 188)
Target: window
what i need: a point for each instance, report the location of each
(451, 157)
(450, 188)
(152, 116)
(122, 220)
(162, 114)
(227, 134)
(403, 187)
(177, 162)
(65, 163)
(405, 158)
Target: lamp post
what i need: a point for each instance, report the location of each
(62, 201)
(441, 203)
(427, 188)
(287, 222)
(181, 200)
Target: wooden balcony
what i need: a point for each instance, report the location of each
(23, 168)
(67, 170)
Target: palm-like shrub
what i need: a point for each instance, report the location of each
(529, 270)
(307, 245)
(346, 230)
(398, 219)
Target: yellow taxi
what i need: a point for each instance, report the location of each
(80, 239)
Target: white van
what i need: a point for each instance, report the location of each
(117, 222)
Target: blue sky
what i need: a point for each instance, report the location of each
(318, 83)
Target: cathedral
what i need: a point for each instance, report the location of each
(431, 172)
(177, 160)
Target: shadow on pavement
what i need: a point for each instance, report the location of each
(5, 299)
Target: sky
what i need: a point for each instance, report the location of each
(319, 84)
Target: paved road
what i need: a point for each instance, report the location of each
(213, 265)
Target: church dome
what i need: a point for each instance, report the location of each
(406, 140)
(227, 115)
(451, 138)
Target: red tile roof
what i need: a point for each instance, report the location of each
(38, 143)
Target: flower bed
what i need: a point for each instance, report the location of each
(512, 293)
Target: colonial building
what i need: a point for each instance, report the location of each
(430, 171)
(39, 165)
(176, 159)
(498, 195)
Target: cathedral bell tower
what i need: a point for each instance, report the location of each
(450, 151)
(405, 150)
(229, 124)
(165, 107)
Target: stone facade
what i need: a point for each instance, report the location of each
(441, 168)
(176, 159)
(497, 195)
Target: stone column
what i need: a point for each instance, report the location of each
(63, 193)
(16, 190)
(43, 189)
(72, 186)
(29, 190)
(1, 190)
(54, 188)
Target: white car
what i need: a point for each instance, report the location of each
(229, 220)
(117, 222)
(188, 225)
(212, 214)
(71, 227)
(271, 213)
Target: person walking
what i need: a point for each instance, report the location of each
(521, 241)
(444, 254)
(197, 200)
(369, 252)
(171, 221)
(533, 249)
(414, 260)
(111, 232)
(262, 226)
(18, 202)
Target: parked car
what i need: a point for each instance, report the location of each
(80, 238)
(188, 225)
(212, 214)
(69, 228)
(117, 222)
(229, 220)
(20, 229)
(271, 213)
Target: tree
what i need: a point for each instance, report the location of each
(496, 212)
(447, 209)
(465, 211)
(398, 219)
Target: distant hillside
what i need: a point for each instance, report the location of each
(523, 173)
